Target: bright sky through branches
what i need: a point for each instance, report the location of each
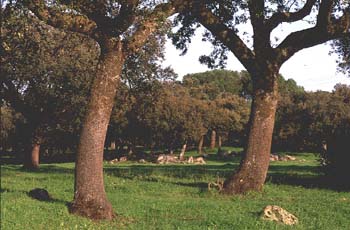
(312, 68)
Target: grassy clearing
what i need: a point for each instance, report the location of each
(149, 196)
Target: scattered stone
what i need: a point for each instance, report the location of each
(274, 157)
(123, 159)
(142, 161)
(166, 159)
(199, 160)
(290, 158)
(278, 214)
(114, 161)
(40, 194)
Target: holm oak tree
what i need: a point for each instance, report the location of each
(120, 28)
(263, 59)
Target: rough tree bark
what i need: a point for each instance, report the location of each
(252, 172)
(90, 197)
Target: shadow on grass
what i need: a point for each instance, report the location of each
(307, 181)
(296, 175)
(50, 200)
(176, 171)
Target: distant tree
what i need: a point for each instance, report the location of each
(262, 60)
(291, 119)
(142, 75)
(208, 85)
(231, 116)
(169, 120)
(218, 87)
(46, 77)
(9, 119)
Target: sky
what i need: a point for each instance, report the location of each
(313, 68)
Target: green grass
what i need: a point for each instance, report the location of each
(150, 196)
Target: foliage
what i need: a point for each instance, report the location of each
(306, 119)
(336, 159)
(208, 85)
(46, 74)
(341, 47)
(9, 122)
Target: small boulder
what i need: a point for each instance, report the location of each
(274, 157)
(290, 158)
(114, 161)
(278, 214)
(123, 159)
(199, 160)
(40, 194)
(142, 161)
(165, 159)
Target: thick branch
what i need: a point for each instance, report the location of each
(256, 11)
(280, 17)
(60, 19)
(149, 25)
(226, 35)
(319, 34)
(126, 16)
(325, 12)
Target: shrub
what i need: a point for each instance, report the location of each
(336, 160)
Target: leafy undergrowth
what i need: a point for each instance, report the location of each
(150, 196)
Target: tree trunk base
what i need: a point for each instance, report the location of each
(92, 209)
(239, 186)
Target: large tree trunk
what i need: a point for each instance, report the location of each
(212, 139)
(200, 145)
(90, 197)
(252, 172)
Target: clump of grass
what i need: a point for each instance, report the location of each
(149, 196)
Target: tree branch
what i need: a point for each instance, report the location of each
(126, 16)
(323, 31)
(59, 19)
(280, 17)
(149, 24)
(256, 11)
(226, 35)
(325, 11)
